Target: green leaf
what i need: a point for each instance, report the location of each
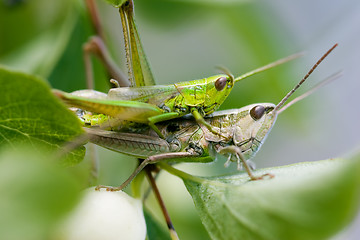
(116, 3)
(38, 47)
(35, 195)
(30, 114)
(311, 200)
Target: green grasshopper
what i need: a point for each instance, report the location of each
(243, 131)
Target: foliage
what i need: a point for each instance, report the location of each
(30, 114)
(310, 200)
(35, 194)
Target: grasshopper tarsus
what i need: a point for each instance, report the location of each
(268, 175)
(115, 83)
(108, 188)
(262, 177)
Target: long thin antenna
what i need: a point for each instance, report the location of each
(268, 66)
(312, 90)
(303, 80)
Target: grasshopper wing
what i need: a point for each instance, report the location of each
(155, 95)
(137, 145)
(119, 109)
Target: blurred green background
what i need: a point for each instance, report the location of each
(186, 40)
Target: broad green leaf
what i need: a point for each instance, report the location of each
(35, 194)
(30, 114)
(311, 200)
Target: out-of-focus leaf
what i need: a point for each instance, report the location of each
(311, 200)
(167, 13)
(40, 55)
(37, 47)
(35, 194)
(30, 114)
(220, 3)
(69, 72)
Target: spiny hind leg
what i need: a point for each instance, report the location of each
(154, 187)
(149, 160)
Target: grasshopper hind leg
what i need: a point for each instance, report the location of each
(154, 187)
(150, 160)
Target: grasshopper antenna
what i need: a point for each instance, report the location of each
(281, 103)
(312, 90)
(270, 65)
(226, 71)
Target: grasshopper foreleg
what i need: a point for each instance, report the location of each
(150, 160)
(234, 150)
(199, 119)
(228, 161)
(161, 118)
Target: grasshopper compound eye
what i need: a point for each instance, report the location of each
(257, 112)
(220, 83)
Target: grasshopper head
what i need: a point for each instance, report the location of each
(218, 88)
(254, 123)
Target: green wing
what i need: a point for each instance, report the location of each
(155, 95)
(122, 110)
